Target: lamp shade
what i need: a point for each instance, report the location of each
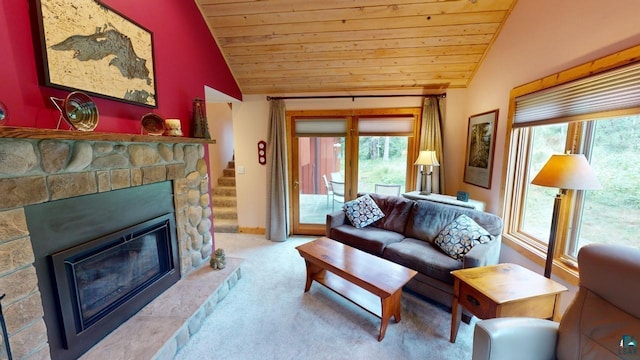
(427, 157)
(568, 172)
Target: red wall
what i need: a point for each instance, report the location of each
(186, 59)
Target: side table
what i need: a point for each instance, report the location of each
(503, 290)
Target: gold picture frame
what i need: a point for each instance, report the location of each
(481, 138)
(87, 46)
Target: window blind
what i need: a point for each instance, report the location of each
(398, 126)
(321, 127)
(613, 90)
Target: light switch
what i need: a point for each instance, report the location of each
(240, 169)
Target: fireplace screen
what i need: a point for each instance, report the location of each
(109, 275)
(105, 278)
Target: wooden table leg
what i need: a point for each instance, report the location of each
(455, 313)
(390, 306)
(313, 271)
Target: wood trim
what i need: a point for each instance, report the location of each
(609, 62)
(255, 230)
(35, 133)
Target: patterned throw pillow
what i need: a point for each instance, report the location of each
(460, 235)
(362, 211)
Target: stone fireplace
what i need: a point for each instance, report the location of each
(43, 166)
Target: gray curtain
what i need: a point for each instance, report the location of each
(431, 137)
(277, 227)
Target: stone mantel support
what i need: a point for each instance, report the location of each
(41, 165)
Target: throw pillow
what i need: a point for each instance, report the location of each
(362, 211)
(460, 236)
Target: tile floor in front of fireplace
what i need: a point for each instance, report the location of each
(166, 324)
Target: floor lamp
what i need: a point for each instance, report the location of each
(427, 160)
(565, 172)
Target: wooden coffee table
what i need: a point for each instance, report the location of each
(503, 290)
(373, 283)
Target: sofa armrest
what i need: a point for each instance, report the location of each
(515, 338)
(483, 254)
(334, 219)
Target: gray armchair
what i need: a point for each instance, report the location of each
(602, 322)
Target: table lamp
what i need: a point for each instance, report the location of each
(565, 172)
(427, 160)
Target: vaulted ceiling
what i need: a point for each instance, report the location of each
(294, 46)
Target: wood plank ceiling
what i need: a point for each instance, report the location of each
(302, 46)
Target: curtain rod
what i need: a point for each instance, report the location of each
(352, 97)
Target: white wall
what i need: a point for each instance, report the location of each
(250, 124)
(540, 38)
(220, 122)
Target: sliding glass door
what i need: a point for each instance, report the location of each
(336, 156)
(317, 171)
(320, 177)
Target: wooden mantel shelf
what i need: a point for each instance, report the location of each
(35, 133)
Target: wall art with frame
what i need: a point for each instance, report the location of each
(481, 138)
(87, 46)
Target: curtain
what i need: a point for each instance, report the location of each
(431, 137)
(277, 201)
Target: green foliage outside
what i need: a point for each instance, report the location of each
(382, 160)
(610, 215)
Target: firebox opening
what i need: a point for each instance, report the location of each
(111, 276)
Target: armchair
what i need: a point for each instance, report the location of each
(602, 322)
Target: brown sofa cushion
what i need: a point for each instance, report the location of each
(427, 219)
(396, 211)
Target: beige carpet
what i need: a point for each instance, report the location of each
(268, 316)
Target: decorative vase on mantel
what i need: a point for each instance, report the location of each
(200, 127)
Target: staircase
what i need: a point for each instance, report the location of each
(225, 212)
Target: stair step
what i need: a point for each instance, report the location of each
(225, 226)
(223, 191)
(224, 204)
(225, 201)
(225, 213)
(227, 181)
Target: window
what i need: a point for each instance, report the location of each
(610, 215)
(598, 116)
(383, 143)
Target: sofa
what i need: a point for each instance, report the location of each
(406, 234)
